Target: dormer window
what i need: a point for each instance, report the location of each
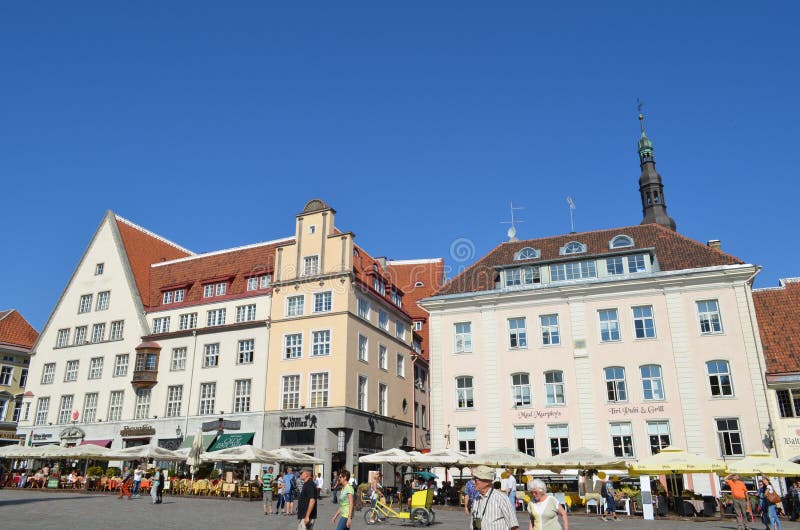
(397, 298)
(573, 247)
(419, 284)
(522, 276)
(620, 242)
(215, 289)
(255, 283)
(379, 286)
(527, 253)
(173, 296)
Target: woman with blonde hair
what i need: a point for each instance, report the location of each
(544, 509)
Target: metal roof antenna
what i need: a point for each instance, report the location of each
(512, 230)
(571, 209)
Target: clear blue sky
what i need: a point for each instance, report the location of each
(212, 123)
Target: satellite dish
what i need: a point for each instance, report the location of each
(512, 233)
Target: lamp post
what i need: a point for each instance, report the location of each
(769, 439)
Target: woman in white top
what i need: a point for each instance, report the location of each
(544, 509)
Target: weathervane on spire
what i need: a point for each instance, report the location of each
(512, 231)
(641, 116)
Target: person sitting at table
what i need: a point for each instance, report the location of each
(72, 478)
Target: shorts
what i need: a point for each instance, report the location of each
(267, 495)
(288, 496)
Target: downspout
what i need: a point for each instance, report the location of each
(413, 398)
(757, 340)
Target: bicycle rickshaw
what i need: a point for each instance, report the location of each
(421, 513)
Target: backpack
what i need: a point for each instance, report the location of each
(603, 490)
(291, 486)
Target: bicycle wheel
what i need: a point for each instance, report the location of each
(372, 516)
(420, 517)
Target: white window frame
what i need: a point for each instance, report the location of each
(401, 365)
(295, 305)
(550, 332)
(115, 405)
(658, 429)
(710, 319)
(465, 392)
(643, 324)
(142, 406)
(320, 342)
(311, 265)
(187, 321)
(42, 410)
(80, 335)
(177, 362)
(246, 313)
(554, 389)
(208, 398)
(215, 317)
(103, 300)
(62, 338)
(383, 320)
(48, 373)
(65, 408)
(655, 382)
(211, 354)
(521, 394)
(719, 375)
(323, 302)
(363, 348)
(90, 400)
(622, 430)
(292, 346)
(246, 351)
(620, 385)
(71, 370)
(161, 325)
(363, 307)
(286, 393)
(609, 326)
(383, 399)
(242, 390)
(117, 329)
(467, 440)
(95, 368)
(463, 337)
(558, 438)
(723, 443)
(318, 389)
(121, 362)
(85, 303)
(383, 357)
(525, 438)
(362, 392)
(517, 336)
(174, 401)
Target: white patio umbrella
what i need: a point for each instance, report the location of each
(193, 455)
(88, 451)
(241, 453)
(11, 451)
(502, 457)
(390, 456)
(584, 458)
(444, 457)
(143, 452)
(284, 455)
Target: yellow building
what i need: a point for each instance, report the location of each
(340, 356)
(16, 340)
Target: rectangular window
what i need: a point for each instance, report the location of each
(719, 378)
(559, 439)
(397, 298)
(89, 407)
(174, 399)
(62, 339)
(363, 309)
(246, 349)
(48, 373)
(293, 346)
(466, 440)
(362, 393)
(319, 390)
(418, 325)
(521, 390)
(554, 387)
(420, 379)
(464, 393)
(637, 263)
(179, 295)
(652, 382)
(399, 330)
(294, 305)
(323, 302)
(383, 357)
(524, 434)
(788, 402)
(708, 313)
(178, 361)
(363, 348)
(522, 276)
(658, 433)
(615, 266)
(23, 378)
(98, 332)
(615, 384)
(424, 418)
(574, 270)
(310, 265)
(161, 325)
(121, 365)
(246, 313)
(517, 333)
(379, 286)
(241, 395)
(187, 321)
(290, 392)
(71, 373)
(208, 396)
(80, 335)
(622, 439)
(383, 397)
(216, 317)
(383, 319)
(117, 328)
(211, 355)
(98, 269)
(609, 325)
(265, 280)
(252, 283)
(550, 333)
(730, 437)
(142, 411)
(463, 337)
(65, 409)
(102, 300)
(42, 408)
(96, 368)
(167, 297)
(221, 288)
(208, 290)
(401, 365)
(115, 406)
(85, 305)
(321, 342)
(5, 379)
(643, 324)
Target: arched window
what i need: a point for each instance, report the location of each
(464, 392)
(652, 383)
(620, 241)
(615, 384)
(419, 284)
(527, 253)
(719, 378)
(573, 247)
(554, 387)
(521, 389)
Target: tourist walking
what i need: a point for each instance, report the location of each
(280, 491)
(470, 495)
(346, 501)
(335, 487)
(125, 485)
(265, 479)
(137, 480)
(611, 500)
(545, 509)
(154, 482)
(769, 500)
(307, 502)
(289, 483)
(739, 494)
(161, 484)
(512, 489)
(492, 510)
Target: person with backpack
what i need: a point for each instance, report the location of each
(611, 500)
(289, 486)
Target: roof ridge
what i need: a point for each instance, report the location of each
(420, 261)
(5, 312)
(223, 251)
(151, 234)
(687, 238)
(475, 264)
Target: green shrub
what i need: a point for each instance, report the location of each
(112, 472)
(94, 471)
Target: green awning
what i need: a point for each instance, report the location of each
(228, 440)
(208, 439)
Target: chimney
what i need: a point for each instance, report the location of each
(714, 243)
(382, 261)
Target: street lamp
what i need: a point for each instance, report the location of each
(769, 438)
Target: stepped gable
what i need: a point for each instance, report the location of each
(15, 330)
(144, 248)
(778, 312)
(673, 252)
(234, 265)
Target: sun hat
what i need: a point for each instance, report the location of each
(483, 473)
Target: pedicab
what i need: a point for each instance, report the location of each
(420, 513)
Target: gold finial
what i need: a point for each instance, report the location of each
(641, 116)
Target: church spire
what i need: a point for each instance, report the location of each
(651, 189)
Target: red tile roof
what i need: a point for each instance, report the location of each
(15, 330)
(672, 250)
(364, 269)
(778, 313)
(235, 266)
(144, 248)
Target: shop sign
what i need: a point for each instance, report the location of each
(139, 430)
(792, 438)
(309, 421)
(538, 414)
(42, 436)
(639, 410)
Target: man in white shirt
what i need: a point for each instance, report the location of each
(137, 480)
(512, 489)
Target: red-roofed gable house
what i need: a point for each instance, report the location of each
(17, 337)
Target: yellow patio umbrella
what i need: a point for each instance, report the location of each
(676, 460)
(764, 464)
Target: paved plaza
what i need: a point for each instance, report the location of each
(42, 509)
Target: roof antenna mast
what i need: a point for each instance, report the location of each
(512, 231)
(571, 209)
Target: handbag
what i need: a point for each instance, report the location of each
(773, 498)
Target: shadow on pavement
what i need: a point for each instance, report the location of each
(29, 500)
